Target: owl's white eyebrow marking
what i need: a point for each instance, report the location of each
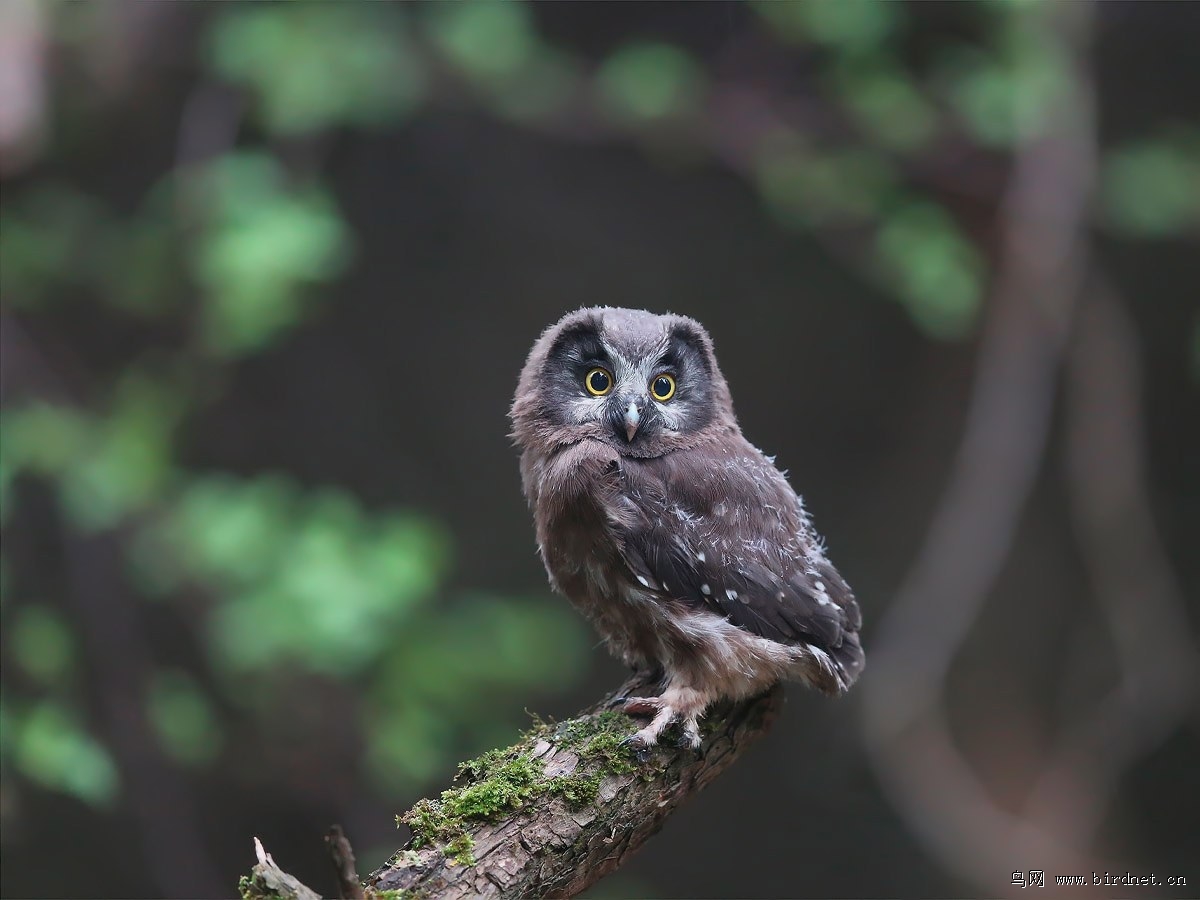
(616, 356)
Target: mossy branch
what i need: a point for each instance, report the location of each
(556, 812)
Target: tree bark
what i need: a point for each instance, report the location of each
(553, 842)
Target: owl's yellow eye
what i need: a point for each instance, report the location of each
(598, 382)
(662, 388)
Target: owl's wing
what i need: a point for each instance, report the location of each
(721, 530)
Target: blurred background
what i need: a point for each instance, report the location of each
(269, 273)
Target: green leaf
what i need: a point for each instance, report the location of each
(129, 460)
(54, 751)
(938, 272)
(41, 644)
(266, 244)
(314, 66)
(543, 86)
(807, 188)
(886, 102)
(8, 475)
(1003, 95)
(47, 239)
(486, 38)
(446, 673)
(142, 265)
(851, 25)
(183, 719)
(406, 745)
(43, 438)
(1151, 188)
(233, 533)
(645, 81)
(305, 578)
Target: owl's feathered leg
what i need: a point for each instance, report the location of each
(677, 703)
(641, 706)
(642, 677)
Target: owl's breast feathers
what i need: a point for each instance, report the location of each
(715, 530)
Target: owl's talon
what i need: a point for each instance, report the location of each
(689, 735)
(639, 745)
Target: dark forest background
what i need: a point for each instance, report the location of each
(268, 274)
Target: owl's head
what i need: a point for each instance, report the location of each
(645, 384)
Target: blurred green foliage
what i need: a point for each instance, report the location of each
(937, 269)
(284, 555)
(183, 718)
(1001, 94)
(297, 67)
(265, 241)
(297, 582)
(43, 646)
(106, 464)
(808, 188)
(886, 101)
(490, 39)
(646, 81)
(51, 748)
(849, 26)
(47, 242)
(1151, 188)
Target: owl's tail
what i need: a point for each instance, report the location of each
(832, 672)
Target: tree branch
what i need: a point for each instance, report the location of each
(553, 814)
(349, 884)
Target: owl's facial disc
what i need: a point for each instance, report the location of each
(640, 383)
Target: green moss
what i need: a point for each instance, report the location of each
(402, 894)
(504, 784)
(459, 850)
(577, 790)
(575, 733)
(501, 781)
(611, 750)
(404, 858)
(251, 887)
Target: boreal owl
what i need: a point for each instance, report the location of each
(680, 540)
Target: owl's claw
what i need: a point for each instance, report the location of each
(639, 745)
(647, 678)
(689, 735)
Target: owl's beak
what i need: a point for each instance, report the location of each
(632, 419)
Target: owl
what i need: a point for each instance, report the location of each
(679, 539)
